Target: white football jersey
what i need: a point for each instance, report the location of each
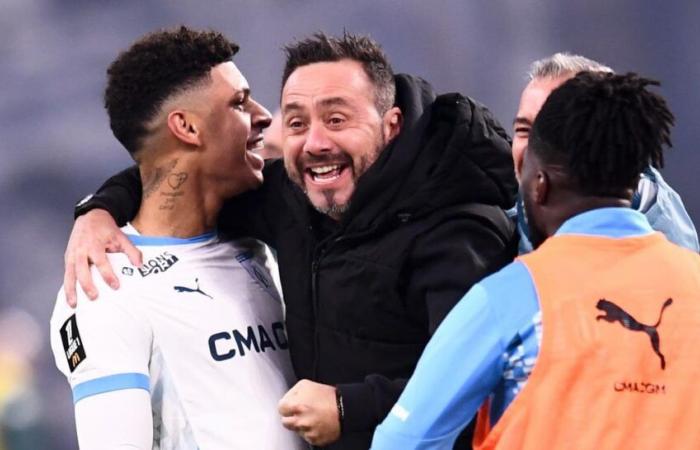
(200, 327)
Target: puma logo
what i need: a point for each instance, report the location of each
(614, 313)
(197, 289)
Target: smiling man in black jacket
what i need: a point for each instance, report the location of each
(387, 209)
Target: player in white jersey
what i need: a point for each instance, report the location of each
(191, 353)
(200, 328)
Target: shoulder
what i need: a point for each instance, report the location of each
(98, 336)
(511, 281)
(510, 294)
(470, 225)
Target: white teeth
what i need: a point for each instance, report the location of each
(324, 169)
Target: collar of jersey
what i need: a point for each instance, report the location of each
(139, 239)
(609, 222)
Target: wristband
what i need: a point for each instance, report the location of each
(341, 407)
(83, 206)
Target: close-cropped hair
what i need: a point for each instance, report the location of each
(563, 63)
(604, 130)
(156, 67)
(363, 49)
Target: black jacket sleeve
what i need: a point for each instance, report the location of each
(120, 196)
(444, 264)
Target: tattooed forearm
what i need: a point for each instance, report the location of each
(156, 177)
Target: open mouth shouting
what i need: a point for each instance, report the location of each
(327, 173)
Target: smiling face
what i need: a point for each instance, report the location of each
(332, 131)
(232, 130)
(531, 101)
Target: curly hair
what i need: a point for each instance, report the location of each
(154, 68)
(363, 49)
(604, 129)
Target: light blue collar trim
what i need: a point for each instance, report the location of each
(609, 222)
(141, 240)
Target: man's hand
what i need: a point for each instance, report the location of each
(310, 410)
(94, 234)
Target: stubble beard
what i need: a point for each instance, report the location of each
(331, 208)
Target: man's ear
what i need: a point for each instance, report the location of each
(542, 186)
(391, 122)
(183, 126)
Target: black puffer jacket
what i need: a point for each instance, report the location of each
(364, 296)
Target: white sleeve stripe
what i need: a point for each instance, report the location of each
(110, 383)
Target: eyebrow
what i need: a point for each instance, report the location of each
(334, 101)
(326, 103)
(293, 106)
(236, 92)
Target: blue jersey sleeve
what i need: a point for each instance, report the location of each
(462, 364)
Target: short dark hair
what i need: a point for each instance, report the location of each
(363, 49)
(155, 67)
(604, 129)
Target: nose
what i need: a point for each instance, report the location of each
(260, 117)
(317, 140)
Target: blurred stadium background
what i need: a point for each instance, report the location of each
(57, 146)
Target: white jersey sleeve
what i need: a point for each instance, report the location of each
(116, 420)
(103, 349)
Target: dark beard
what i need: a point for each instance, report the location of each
(332, 209)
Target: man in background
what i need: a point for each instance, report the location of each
(653, 197)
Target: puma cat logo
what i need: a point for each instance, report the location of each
(614, 313)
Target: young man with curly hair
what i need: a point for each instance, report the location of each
(191, 352)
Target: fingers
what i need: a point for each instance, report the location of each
(82, 272)
(133, 253)
(291, 423)
(105, 268)
(93, 235)
(69, 282)
(288, 408)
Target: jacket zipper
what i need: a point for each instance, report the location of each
(322, 249)
(314, 303)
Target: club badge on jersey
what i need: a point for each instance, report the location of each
(258, 272)
(72, 344)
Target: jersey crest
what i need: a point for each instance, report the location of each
(258, 272)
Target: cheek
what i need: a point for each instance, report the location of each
(519, 146)
(362, 149)
(291, 149)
